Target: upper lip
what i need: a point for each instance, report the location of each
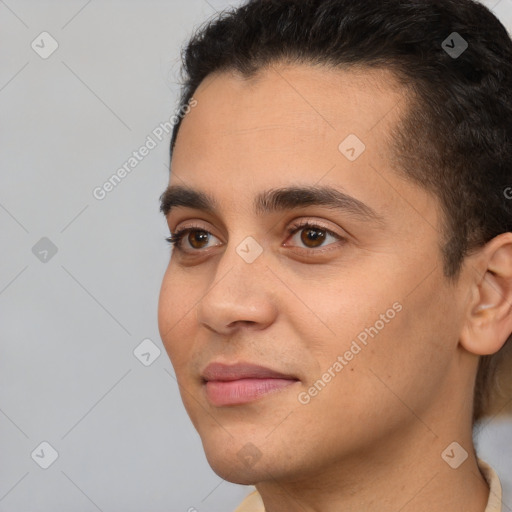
(224, 372)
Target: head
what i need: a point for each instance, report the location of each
(301, 104)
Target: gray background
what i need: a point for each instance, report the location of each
(70, 321)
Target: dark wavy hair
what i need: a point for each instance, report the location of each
(455, 139)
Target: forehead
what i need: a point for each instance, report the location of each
(308, 96)
(289, 112)
(292, 124)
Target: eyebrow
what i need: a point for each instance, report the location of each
(273, 200)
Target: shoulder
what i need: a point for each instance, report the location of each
(252, 503)
(495, 493)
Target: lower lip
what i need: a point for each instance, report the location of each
(242, 391)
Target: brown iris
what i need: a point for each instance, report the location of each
(312, 236)
(196, 238)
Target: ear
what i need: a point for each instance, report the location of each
(489, 320)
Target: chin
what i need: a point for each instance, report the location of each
(230, 468)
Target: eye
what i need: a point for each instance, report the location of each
(197, 239)
(312, 235)
(308, 233)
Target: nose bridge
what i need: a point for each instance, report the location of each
(240, 290)
(243, 264)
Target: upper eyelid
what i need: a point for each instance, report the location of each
(305, 222)
(294, 224)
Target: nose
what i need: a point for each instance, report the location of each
(241, 294)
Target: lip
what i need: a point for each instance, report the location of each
(226, 372)
(242, 382)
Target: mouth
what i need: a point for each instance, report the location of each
(242, 383)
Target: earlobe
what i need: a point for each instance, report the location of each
(489, 321)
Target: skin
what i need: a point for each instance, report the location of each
(372, 439)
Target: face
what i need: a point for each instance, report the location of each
(352, 309)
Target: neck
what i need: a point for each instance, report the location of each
(407, 474)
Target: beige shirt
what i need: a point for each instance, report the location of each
(254, 503)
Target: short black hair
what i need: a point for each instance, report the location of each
(455, 139)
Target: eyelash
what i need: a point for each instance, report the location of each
(176, 237)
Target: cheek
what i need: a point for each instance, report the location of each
(392, 343)
(346, 309)
(405, 361)
(175, 311)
